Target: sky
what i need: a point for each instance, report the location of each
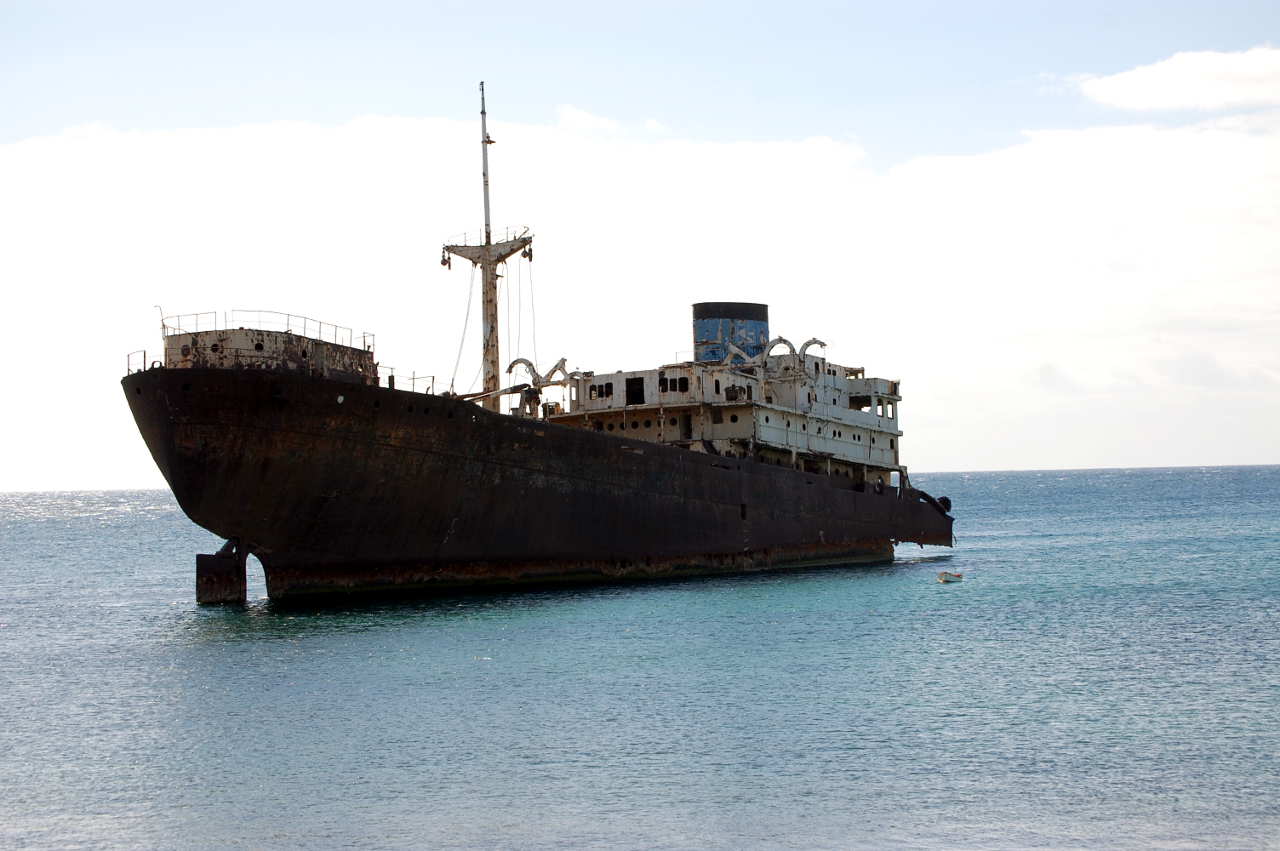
(1056, 224)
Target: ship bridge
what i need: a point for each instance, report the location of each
(794, 408)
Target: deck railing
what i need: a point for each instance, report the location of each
(413, 382)
(267, 320)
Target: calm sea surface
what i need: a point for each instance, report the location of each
(1108, 674)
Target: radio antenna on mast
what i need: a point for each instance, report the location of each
(485, 142)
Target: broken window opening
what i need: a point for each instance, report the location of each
(635, 390)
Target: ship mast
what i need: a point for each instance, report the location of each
(487, 257)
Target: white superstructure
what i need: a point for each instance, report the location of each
(795, 409)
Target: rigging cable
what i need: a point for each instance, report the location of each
(533, 308)
(466, 320)
(506, 269)
(519, 307)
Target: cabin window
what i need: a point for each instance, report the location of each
(593, 392)
(635, 390)
(610, 426)
(684, 384)
(748, 392)
(215, 348)
(733, 418)
(766, 418)
(608, 388)
(635, 424)
(717, 382)
(717, 416)
(873, 441)
(662, 384)
(671, 421)
(768, 400)
(599, 426)
(731, 393)
(891, 444)
(257, 347)
(648, 423)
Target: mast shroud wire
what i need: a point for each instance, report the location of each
(466, 320)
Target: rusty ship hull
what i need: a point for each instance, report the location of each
(341, 488)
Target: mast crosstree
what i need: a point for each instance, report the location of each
(487, 257)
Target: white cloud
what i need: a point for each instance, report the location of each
(1085, 250)
(1200, 80)
(579, 120)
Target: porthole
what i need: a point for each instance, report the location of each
(733, 418)
(635, 424)
(648, 423)
(186, 351)
(215, 348)
(672, 421)
(411, 409)
(610, 426)
(257, 347)
(137, 391)
(341, 399)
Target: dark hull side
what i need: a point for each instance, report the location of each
(340, 487)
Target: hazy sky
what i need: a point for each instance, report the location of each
(1056, 223)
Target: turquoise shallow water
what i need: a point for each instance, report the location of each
(1108, 674)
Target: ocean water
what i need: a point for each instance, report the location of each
(1107, 675)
